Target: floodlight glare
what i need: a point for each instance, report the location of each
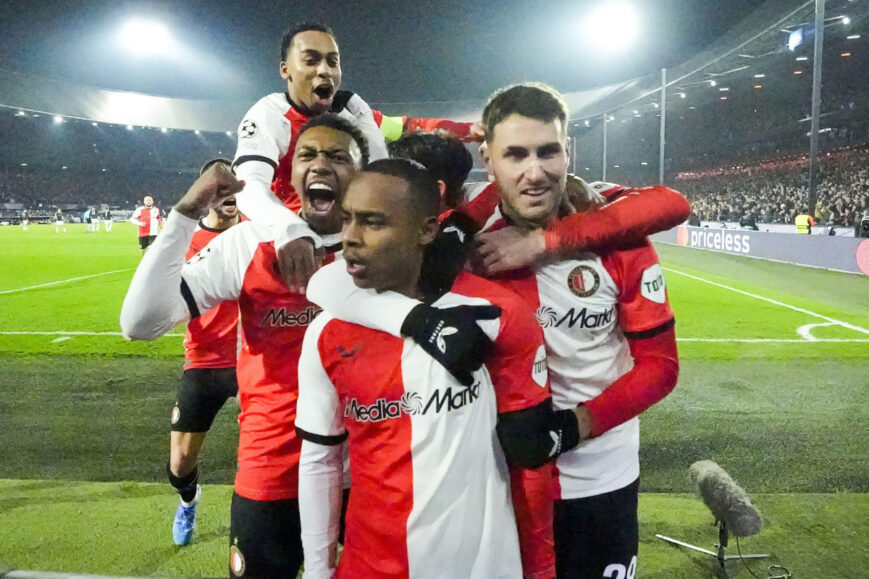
(145, 37)
(58, 119)
(612, 26)
(846, 20)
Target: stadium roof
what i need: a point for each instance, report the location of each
(758, 42)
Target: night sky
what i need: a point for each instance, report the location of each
(392, 51)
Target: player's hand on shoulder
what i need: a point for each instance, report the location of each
(506, 249)
(209, 190)
(452, 336)
(297, 261)
(581, 196)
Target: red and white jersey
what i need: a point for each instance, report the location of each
(269, 131)
(211, 340)
(150, 218)
(586, 306)
(241, 264)
(430, 494)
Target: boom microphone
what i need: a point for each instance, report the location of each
(727, 501)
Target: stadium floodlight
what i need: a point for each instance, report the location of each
(612, 19)
(712, 83)
(129, 127)
(64, 167)
(94, 124)
(145, 37)
(228, 133)
(23, 164)
(57, 119)
(196, 131)
(164, 130)
(21, 114)
(852, 37)
(846, 21)
(587, 123)
(759, 76)
(802, 58)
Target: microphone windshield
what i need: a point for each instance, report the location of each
(727, 501)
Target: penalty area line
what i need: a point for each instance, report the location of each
(774, 302)
(51, 283)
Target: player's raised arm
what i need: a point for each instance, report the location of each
(161, 294)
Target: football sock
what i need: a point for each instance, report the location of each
(185, 485)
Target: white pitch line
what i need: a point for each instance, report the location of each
(63, 333)
(24, 289)
(775, 302)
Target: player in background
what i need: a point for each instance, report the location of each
(210, 346)
(25, 219)
(430, 494)
(148, 219)
(242, 264)
(59, 223)
(107, 219)
(606, 321)
(310, 65)
(95, 219)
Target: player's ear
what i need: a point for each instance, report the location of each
(487, 159)
(428, 230)
(285, 73)
(442, 188)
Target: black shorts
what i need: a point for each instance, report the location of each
(201, 394)
(265, 539)
(598, 537)
(146, 241)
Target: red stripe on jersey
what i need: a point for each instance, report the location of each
(211, 340)
(281, 184)
(273, 322)
(381, 500)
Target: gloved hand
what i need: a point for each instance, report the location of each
(452, 337)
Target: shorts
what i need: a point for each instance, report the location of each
(265, 538)
(146, 241)
(597, 536)
(201, 394)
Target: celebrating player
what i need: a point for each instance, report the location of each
(242, 264)
(209, 377)
(310, 64)
(148, 219)
(606, 321)
(430, 483)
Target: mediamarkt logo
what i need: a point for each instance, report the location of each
(547, 317)
(412, 404)
(281, 317)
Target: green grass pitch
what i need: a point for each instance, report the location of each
(773, 387)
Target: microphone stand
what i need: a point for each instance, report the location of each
(721, 545)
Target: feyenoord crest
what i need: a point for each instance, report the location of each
(583, 281)
(236, 561)
(248, 129)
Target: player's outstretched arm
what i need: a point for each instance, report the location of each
(631, 215)
(332, 289)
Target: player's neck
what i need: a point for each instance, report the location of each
(219, 223)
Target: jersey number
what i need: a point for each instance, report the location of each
(618, 571)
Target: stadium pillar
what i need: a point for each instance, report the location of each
(816, 104)
(663, 126)
(603, 176)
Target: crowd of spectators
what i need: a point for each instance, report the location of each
(777, 191)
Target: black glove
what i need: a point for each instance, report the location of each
(452, 337)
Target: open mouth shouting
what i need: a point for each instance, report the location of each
(323, 93)
(321, 198)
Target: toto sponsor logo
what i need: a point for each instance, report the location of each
(720, 240)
